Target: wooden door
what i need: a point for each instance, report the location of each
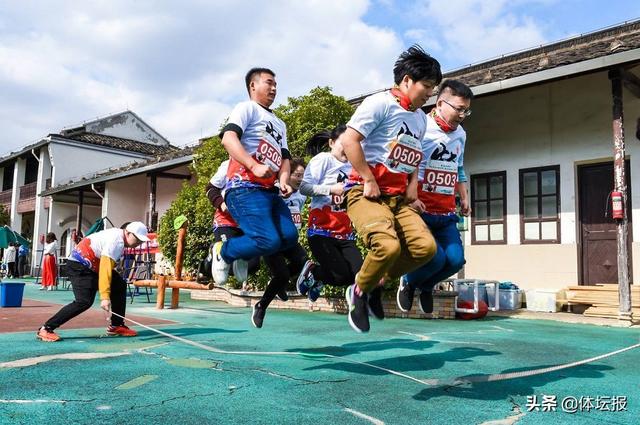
(598, 246)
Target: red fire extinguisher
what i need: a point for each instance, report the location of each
(617, 205)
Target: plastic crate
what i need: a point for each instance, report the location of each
(542, 300)
(465, 292)
(510, 299)
(11, 294)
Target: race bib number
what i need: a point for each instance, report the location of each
(336, 202)
(269, 155)
(440, 177)
(405, 155)
(297, 219)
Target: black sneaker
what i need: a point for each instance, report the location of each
(425, 302)
(404, 296)
(374, 303)
(358, 310)
(257, 317)
(282, 295)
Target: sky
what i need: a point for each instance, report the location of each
(180, 65)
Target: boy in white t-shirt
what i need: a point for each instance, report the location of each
(256, 140)
(441, 175)
(382, 142)
(91, 270)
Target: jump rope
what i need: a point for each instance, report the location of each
(427, 382)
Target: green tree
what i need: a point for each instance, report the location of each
(192, 202)
(304, 116)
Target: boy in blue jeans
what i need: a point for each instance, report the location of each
(256, 141)
(440, 176)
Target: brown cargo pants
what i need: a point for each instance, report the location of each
(395, 235)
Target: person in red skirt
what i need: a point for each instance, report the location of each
(49, 266)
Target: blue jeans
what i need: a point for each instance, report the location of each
(449, 257)
(265, 220)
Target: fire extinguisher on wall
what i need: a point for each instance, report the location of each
(617, 205)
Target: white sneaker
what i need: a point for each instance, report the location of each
(219, 267)
(241, 269)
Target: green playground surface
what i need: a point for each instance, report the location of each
(311, 368)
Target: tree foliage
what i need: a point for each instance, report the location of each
(192, 202)
(304, 116)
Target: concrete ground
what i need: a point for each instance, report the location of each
(308, 368)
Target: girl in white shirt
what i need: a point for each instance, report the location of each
(331, 236)
(49, 262)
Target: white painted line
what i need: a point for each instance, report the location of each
(32, 361)
(363, 416)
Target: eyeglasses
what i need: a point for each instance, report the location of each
(460, 111)
(297, 175)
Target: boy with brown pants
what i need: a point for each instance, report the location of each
(382, 142)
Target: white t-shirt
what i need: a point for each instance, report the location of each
(109, 242)
(391, 142)
(438, 171)
(327, 216)
(295, 202)
(264, 137)
(219, 180)
(50, 248)
(10, 254)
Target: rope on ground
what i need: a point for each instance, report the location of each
(427, 382)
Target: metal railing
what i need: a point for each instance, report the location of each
(28, 191)
(5, 197)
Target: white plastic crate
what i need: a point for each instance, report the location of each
(542, 300)
(509, 299)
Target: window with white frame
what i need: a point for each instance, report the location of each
(540, 205)
(489, 208)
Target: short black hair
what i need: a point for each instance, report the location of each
(253, 72)
(297, 162)
(318, 141)
(418, 65)
(456, 88)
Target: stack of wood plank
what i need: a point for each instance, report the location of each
(603, 299)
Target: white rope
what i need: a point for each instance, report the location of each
(427, 382)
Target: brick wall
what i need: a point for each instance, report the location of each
(442, 303)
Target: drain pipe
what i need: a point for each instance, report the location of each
(93, 187)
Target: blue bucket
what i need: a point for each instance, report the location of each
(11, 294)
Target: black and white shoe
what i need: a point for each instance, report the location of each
(404, 296)
(257, 316)
(282, 295)
(305, 279)
(358, 309)
(219, 267)
(425, 301)
(374, 303)
(241, 269)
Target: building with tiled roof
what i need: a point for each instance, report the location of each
(66, 156)
(540, 161)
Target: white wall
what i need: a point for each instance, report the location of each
(167, 189)
(73, 161)
(564, 123)
(19, 170)
(126, 199)
(126, 126)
